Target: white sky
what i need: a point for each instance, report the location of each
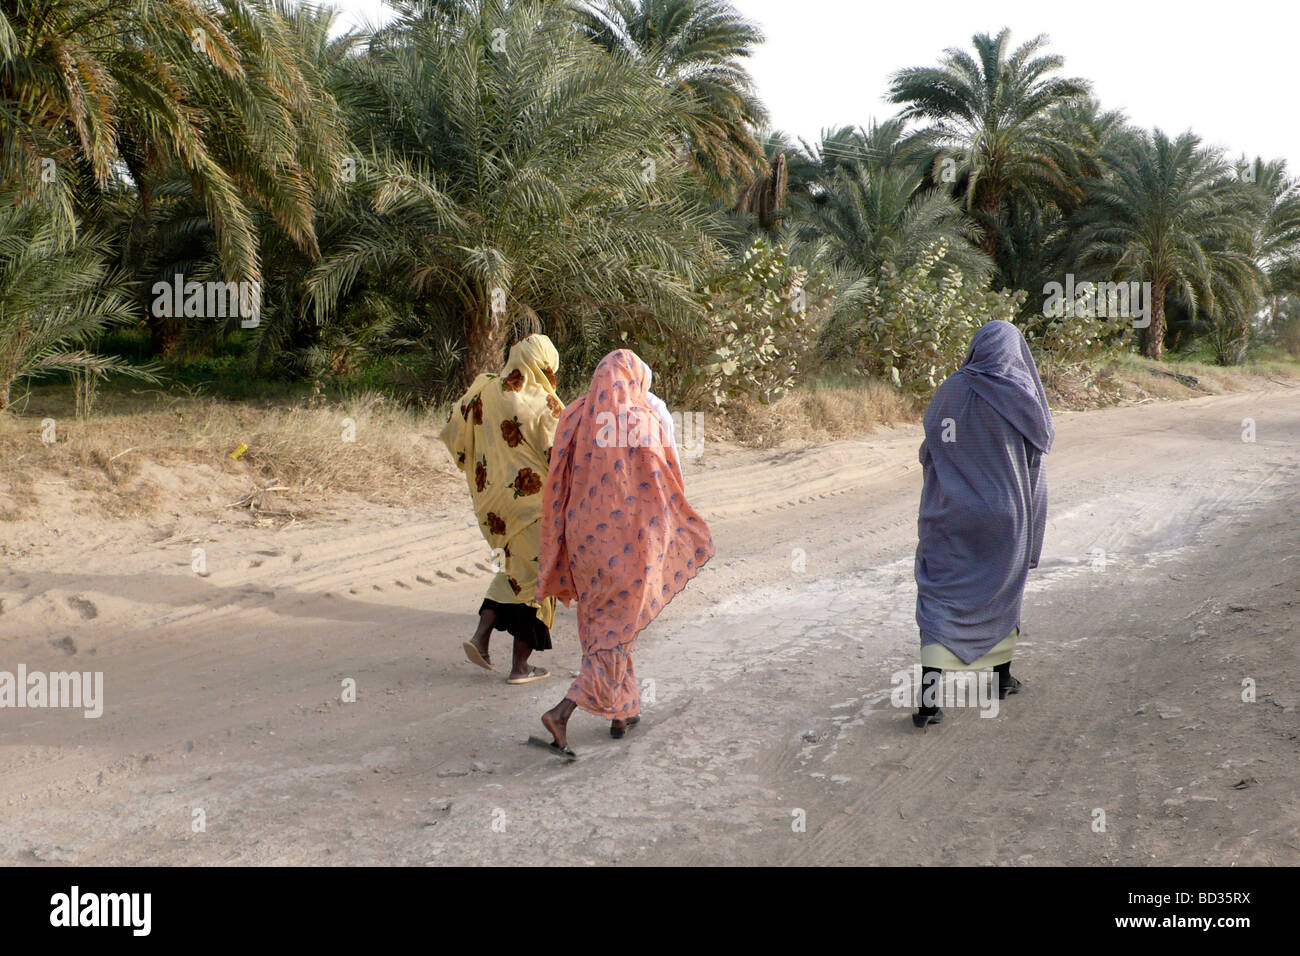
(1184, 65)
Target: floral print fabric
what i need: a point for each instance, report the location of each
(618, 535)
(500, 434)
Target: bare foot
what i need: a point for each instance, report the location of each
(556, 721)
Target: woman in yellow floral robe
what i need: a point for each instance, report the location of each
(500, 434)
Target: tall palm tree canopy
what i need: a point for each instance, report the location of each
(520, 171)
(697, 48)
(870, 217)
(408, 196)
(989, 115)
(122, 92)
(1168, 212)
(1274, 200)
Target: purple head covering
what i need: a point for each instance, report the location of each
(1001, 370)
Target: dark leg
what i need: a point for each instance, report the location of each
(487, 620)
(928, 704)
(556, 721)
(928, 710)
(1006, 683)
(522, 652)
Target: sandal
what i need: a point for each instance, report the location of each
(554, 748)
(476, 656)
(535, 673)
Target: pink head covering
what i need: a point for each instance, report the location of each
(617, 532)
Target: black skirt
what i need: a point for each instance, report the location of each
(521, 621)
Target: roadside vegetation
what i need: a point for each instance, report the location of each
(231, 223)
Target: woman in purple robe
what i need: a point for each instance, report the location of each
(983, 511)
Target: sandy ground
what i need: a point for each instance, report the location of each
(1170, 575)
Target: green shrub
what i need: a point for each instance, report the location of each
(1079, 338)
(760, 325)
(912, 326)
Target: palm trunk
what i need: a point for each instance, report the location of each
(484, 343)
(1243, 343)
(1155, 332)
(164, 333)
(990, 202)
(989, 243)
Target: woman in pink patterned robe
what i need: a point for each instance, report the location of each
(617, 534)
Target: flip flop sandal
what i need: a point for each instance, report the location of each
(475, 657)
(921, 720)
(554, 748)
(536, 673)
(628, 724)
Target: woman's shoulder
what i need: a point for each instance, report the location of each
(951, 390)
(475, 388)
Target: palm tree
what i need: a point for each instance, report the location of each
(57, 293)
(868, 224)
(128, 94)
(809, 169)
(878, 145)
(1168, 213)
(766, 195)
(989, 123)
(1272, 202)
(517, 171)
(697, 49)
(867, 217)
(171, 233)
(1034, 237)
(1089, 130)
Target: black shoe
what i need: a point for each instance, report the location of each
(1009, 686)
(920, 720)
(618, 734)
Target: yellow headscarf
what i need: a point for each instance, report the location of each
(536, 359)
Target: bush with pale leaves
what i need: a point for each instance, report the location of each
(760, 325)
(912, 326)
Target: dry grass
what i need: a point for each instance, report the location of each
(1131, 378)
(1169, 380)
(144, 452)
(808, 416)
(139, 450)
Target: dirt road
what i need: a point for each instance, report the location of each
(1170, 576)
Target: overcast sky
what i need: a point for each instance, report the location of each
(1226, 71)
